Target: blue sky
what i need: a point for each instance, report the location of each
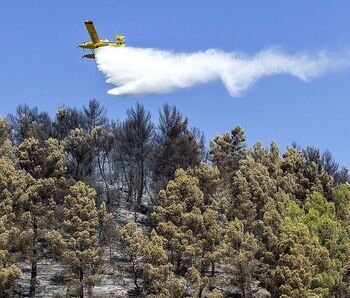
(42, 66)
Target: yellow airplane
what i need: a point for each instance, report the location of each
(96, 42)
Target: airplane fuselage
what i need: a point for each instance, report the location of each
(102, 43)
(98, 43)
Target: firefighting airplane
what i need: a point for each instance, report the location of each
(97, 43)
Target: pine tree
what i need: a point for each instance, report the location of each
(228, 150)
(12, 187)
(29, 122)
(66, 120)
(4, 131)
(45, 165)
(302, 176)
(342, 176)
(103, 142)
(250, 188)
(142, 129)
(193, 230)
(239, 249)
(131, 244)
(321, 220)
(341, 199)
(159, 280)
(81, 251)
(270, 227)
(79, 147)
(108, 235)
(176, 146)
(6, 148)
(209, 179)
(134, 139)
(303, 265)
(95, 116)
(178, 218)
(148, 259)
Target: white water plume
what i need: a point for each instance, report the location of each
(138, 71)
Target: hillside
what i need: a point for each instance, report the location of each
(95, 207)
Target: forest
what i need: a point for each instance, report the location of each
(97, 196)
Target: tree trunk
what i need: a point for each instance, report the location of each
(102, 173)
(200, 292)
(77, 170)
(135, 276)
(178, 265)
(243, 282)
(33, 273)
(212, 269)
(141, 184)
(110, 254)
(130, 187)
(135, 213)
(81, 280)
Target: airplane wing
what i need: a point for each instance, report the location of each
(92, 31)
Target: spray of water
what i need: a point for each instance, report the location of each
(138, 71)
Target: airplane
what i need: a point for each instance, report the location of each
(96, 42)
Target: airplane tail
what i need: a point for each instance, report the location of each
(92, 31)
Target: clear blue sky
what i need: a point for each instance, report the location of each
(41, 64)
